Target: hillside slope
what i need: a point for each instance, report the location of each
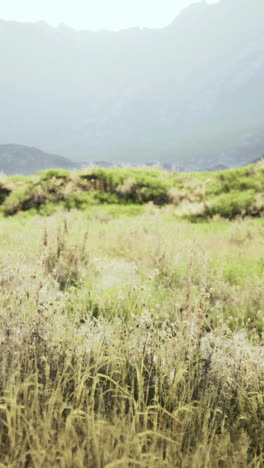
(20, 159)
(190, 93)
(201, 195)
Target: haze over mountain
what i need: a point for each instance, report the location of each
(20, 159)
(190, 94)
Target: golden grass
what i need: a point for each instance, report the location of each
(131, 342)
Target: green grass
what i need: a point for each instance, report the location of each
(130, 337)
(196, 196)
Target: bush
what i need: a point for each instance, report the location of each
(5, 189)
(197, 196)
(230, 205)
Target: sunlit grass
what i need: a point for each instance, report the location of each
(196, 196)
(129, 338)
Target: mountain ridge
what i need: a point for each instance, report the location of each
(190, 93)
(21, 159)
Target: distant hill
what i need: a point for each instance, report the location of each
(27, 160)
(19, 159)
(190, 94)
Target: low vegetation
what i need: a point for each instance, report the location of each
(130, 337)
(229, 194)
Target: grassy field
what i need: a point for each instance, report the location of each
(130, 336)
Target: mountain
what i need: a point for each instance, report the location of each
(19, 159)
(190, 94)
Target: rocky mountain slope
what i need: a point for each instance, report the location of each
(19, 159)
(190, 94)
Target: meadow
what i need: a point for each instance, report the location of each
(132, 319)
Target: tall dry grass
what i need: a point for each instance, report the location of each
(131, 342)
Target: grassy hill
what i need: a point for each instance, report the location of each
(201, 195)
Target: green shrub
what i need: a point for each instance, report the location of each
(58, 173)
(197, 196)
(230, 205)
(5, 190)
(15, 202)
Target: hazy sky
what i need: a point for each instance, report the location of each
(95, 14)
